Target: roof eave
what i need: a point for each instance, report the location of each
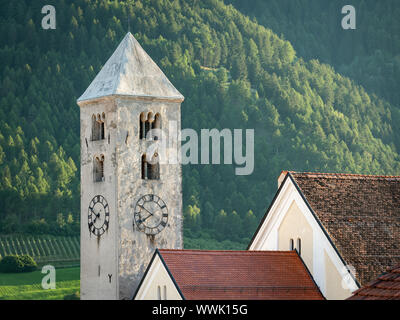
(267, 212)
(175, 99)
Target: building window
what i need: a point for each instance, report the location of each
(147, 123)
(144, 167)
(156, 126)
(153, 168)
(99, 168)
(158, 293)
(159, 296)
(142, 123)
(298, 247)
(102, 126)
(150, 169)
(98, 126)
(291, 244)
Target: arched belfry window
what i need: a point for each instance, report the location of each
(148, 122)
(98, 126)
(149, 126)
(150, 167)
(99, 168)
(144, 167)
(102, 126)
(142, 124)
(154, 168)
(156, 124)
(94, 127)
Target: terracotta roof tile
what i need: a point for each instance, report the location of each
(386, 287)
(361, 214)
(203, 274)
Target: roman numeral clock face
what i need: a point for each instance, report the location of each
(151, 214)
(98, 215)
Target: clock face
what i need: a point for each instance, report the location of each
(98, 215)
(151, 214)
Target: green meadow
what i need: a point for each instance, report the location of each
(28, 286)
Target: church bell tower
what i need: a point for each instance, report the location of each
(131, 194)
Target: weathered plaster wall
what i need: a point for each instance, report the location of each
(96, 251)
(135, 247)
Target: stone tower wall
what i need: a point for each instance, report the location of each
(135, 247)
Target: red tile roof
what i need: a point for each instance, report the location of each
(240, 275)
(386, 287)
(361, 214)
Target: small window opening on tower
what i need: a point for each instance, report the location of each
(98, 127)
(151, 169)
(99, 168)
(156, 127)
(144, 167)
(147, 125)
(103, 119)
(142, 123)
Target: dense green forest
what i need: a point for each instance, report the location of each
(370, 54)
(233, 72)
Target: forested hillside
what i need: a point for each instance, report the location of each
(370, 54)
(233, 72)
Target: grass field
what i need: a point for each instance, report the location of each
(27, 286)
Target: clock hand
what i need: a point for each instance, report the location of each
(96, 214)
(146, 217)
(145, 209)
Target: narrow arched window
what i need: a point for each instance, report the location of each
(156, 124)
(102, 126)
(99, 168)
(98, 127)
(158, 292)
(149, 126)
(291, 244)
(165, 292)
(142, 124)
(144, 167)
(153, 168)
(94, 128)
(298, 247)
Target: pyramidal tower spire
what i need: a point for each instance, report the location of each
(131, 72)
